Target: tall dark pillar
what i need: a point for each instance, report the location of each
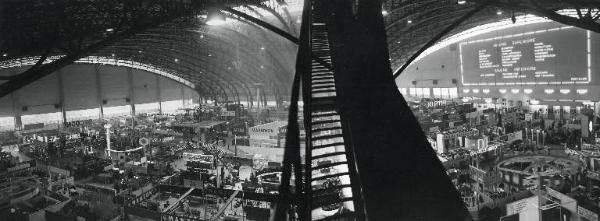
(99, 92)
(61, 95)
(401, 176)
(131, 91)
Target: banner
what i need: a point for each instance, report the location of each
(78, 123)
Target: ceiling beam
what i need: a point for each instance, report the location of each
(440, 35)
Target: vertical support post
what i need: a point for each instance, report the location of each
(61, 95)
(182, 95)
(257, 97)
(99, 91)
(131, 90)
(17, 110)
(158, 94)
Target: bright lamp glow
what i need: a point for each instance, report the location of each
(486, 91)
(565, 91)
(514, 91)
(461, 2)
(528, 91)
(502, 91)
(549, 91)
(466, 90)
(216, 18)
(384, 12)
(476, 91)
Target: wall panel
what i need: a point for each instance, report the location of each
(144, 87)
(40, 96)
(113, 81)
(80, 87)
(79, 83)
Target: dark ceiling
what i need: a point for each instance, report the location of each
(232, 58)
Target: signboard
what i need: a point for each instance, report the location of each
(198, 157)
(587, 214)
(514, 136)
(527, 58)
(77, 123)
(240, 130)
(228, 114)
(267, 131)
(33, 126)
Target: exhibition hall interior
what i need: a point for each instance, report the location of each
(295, 110)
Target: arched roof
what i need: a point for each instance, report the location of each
(233, 58)
(411, 24)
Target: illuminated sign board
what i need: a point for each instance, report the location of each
(528, 58)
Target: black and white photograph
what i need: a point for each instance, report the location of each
(299, 110)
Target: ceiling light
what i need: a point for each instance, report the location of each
(139, 51)
(528, 91)
(502, 91)
(409, 21)
(215, 18)
(110, 29)
(461, 2)
(549, 91)
(499, 12)
(486, 91)
(209, 55)
(466, 90)
(4, 55)
(476, 91)
(262, 48)
(201, 36)
(565, 91)
(514, 91)
(384, 12)
(176, 60)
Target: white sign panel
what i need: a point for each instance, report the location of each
(228, 114)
